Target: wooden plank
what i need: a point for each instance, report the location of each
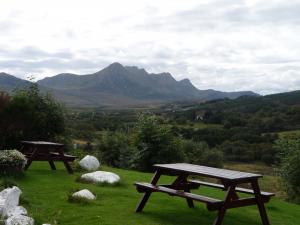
(147, 195)
(249, 191)
(182, 186)
(53, 158)
(143, 187)
(41, 143)
(237, 189)
(64, 156)
(243, 202)
(260, 203)
(221, 213)
(191, 169)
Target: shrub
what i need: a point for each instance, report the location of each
(200, 153)
(237, 151)
(290, 167)
(30, 115)
(114, 149)
(11, 161)
(212, 136)
(7, 182)
(154, 143)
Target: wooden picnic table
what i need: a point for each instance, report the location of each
(46, 151)
(229, 181)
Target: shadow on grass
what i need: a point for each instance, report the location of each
(198, 216)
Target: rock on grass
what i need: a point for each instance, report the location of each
(19, 220)
(84, 194)
(89, 163)
(101, 177)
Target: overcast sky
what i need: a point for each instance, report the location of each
(227, 45)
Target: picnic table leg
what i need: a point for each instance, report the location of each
(29, 161)
(182, 180)
(260, 204)
(67, 165)
(229, 196)
(52, 165)
(189, 201)
(147, 194)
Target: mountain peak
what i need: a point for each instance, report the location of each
(185, 81)
(114, 69)
(115, 65)
(164, 76)
(9, 82)
(5, 74)
(135, 69)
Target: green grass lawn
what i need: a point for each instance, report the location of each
(47, 191)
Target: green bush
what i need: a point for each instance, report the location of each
(237, 151)
(30, 115)
(200, 153)
(290, 167)
(11, 161)
(114, 149)
(7, 182)
(154, 143)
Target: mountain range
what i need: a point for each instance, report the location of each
(118, 85)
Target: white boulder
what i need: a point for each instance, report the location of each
(101, 177)
(18, 210)
(89, 163)
(2, 205)
(9, 199)
(19, 220)
(84, 194)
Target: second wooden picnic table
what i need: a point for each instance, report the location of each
(46, 151)
(229, 181)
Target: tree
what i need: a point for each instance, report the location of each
(115, 150)
(200, 153)
(237, 151)
(154, 143)
(30, 115)
(290, 167)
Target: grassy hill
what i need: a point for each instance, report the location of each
(46, 193)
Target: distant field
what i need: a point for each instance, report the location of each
(271, 182)
(295, 134)
(46, 192)
(199, 125)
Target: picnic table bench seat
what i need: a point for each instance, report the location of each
(53, 156)
(69, 158)
(212, 203)
(266, 195)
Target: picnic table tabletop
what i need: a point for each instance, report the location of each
(42, 143)
(212, 172)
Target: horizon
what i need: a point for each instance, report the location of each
(226, 46)
(32, 79)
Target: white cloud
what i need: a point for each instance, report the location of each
(226, 45)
